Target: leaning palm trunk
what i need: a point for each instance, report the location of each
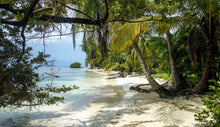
(177, 81)
(163, 93)
(151, 80)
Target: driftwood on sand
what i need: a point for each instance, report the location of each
(120, 74)
(137, 88)
(142, 90)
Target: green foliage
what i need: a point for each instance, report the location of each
(75, 65)
(211, 115)
(163, 76)
(20, 16)
(192, 79)
(91, 48)
(6, 1)
(63, 89)
(155, 53)
(122, 9)
(115, 62)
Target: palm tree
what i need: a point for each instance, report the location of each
(151, 80)
(128, 35)
(205, 19)
(203, 16)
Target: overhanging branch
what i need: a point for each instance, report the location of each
(13, 9)
(60, 19)
(66, 34)
(107, 11)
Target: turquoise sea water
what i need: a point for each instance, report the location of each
(92, 87)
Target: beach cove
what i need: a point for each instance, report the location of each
(104, 102)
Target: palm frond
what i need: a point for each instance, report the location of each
(74, 29)
(125, 36)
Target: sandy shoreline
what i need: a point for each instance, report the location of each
(110, 103)
(146, 110)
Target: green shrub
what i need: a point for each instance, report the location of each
(163, 76)
(211, 115)
(75, 65)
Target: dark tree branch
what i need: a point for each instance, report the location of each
(107, 11)
(50, 18)
(11, 8)
(11, 22)
(66, 34)
(60, 19)
(23, 44)
(55, 19)
(28, 13)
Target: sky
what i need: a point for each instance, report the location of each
(61, 49)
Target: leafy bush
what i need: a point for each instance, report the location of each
(75, 65)
(211, 115)
(163, 76)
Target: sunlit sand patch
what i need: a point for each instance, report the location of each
(95, 109)
(140, 109)
(157, 114)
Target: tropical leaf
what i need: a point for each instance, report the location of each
(74, 29)
(125, 36)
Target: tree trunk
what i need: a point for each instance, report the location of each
(203, 84)
(177, 81)
(163, 93)
(148, 68)
(103, 42)
(151, 80)
(211, 39)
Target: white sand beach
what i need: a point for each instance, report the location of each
(146, 109)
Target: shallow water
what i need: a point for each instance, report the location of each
(80, 107)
